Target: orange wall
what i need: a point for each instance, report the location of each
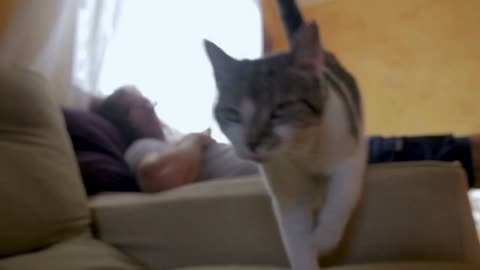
(6, 8)
(417, 61)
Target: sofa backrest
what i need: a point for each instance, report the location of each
(41, 194)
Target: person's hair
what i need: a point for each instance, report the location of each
(114, 108)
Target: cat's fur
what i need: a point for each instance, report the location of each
(298, 114)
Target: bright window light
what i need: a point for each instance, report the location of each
(159, 48)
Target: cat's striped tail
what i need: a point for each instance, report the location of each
(291, 17)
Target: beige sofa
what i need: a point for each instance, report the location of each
(413, 215)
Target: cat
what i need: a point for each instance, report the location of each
(298, 115)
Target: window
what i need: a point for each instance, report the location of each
(158, 46)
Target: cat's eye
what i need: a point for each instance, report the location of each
(282, 109)
(230, 115)
(287, 111)
(285, 105)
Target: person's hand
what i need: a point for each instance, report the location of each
(201, 139)
(205, 137)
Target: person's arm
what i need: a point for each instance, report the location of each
(172, 168)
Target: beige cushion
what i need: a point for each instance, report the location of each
(384, 266)
(410, 211)
(74, 254)
(42, 197)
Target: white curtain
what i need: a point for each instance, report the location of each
(96, 25)
(40, 36)
(64, 40)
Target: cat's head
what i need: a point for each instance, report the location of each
(261, 104)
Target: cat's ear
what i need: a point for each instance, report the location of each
(307, 51)
(222, 62)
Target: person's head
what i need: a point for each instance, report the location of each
(132, 113)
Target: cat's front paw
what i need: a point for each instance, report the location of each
(326, 239)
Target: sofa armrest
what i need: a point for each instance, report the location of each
(410, 211)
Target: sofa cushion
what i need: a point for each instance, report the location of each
(43, 199)
(99, 148)
(380, 266)
(410, 211)
(74, 254)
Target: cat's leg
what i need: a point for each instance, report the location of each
(287, 186)
(343, 193)
(295, 223)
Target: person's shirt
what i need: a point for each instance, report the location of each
(218, 160)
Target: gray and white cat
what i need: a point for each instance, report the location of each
(297, 114)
